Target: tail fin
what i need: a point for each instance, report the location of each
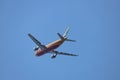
(64, 35)
(66, 32)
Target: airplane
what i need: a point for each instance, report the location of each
(50, 48)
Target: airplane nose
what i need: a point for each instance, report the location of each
(36, 54)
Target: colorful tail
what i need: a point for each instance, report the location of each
(64, 36)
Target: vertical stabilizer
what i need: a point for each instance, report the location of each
(64, 37)
(66, 32)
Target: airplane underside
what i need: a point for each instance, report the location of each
(40, 52)
(50, 48)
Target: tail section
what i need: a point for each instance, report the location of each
(66, 32)
(61, 37)
(70, 40)
(64, 35)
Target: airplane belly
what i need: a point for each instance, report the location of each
(42, 52)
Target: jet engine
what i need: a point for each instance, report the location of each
(54, 55)
(36, 48)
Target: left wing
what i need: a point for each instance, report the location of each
(63, 53)
(41, 46)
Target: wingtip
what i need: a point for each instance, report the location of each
(29, 34)
(76, 55)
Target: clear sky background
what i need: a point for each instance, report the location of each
(95, 24)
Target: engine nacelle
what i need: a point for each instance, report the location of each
(53, 55)
(36, 48)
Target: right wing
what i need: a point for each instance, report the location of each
(37, 42)
(63, 53)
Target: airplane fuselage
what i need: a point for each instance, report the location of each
(42, 49)
(49, 47)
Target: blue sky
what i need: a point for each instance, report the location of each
(95, 24)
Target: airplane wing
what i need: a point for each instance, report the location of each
(37, 42)
(63, 53)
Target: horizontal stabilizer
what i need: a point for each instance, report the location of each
(70, 40)
(61, 37)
